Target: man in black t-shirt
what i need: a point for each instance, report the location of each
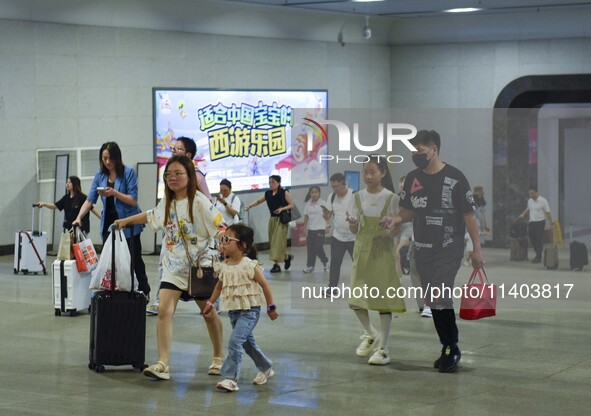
(438, 200)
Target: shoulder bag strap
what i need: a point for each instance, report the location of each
(182, 235)
(186, 246)
(388, 202)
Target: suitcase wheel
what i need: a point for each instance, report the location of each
(15, 271)
(58, 312)
(100, 369)
(140, 367)
(73, 312)
(91, 365)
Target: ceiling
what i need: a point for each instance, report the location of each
(392, 22)
(422, 8)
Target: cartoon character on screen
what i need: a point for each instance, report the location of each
(163, 142)
(181, 108)
(253, 166)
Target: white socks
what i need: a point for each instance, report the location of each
(363, 316)
(385, 326)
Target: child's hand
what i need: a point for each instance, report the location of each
(273, 315)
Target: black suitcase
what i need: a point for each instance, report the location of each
(579, 257)
(117, 326)
(518, 229)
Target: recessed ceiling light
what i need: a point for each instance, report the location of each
(365, 1)
(462, 10)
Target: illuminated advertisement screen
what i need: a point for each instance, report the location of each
(243, 135)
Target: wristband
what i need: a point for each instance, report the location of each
(271, 307)
(225, 203)
(210, 304)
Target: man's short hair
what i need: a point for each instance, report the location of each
(226, 182)
(190, 146)
(337, 177)
(533, 188)
(427, 138)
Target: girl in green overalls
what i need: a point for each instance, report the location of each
(374, 265)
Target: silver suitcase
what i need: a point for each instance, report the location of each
(71, 291)
(30, 249)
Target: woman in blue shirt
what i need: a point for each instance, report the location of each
(116, 184)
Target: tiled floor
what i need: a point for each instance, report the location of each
(533, 358)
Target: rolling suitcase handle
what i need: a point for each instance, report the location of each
(33, 232)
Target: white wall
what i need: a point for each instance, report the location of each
(69, 86)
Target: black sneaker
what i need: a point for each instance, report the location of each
(437, 361)
(288, 262)
(537, 260)
(448, 362)
(276, 268)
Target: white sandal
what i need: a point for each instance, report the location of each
(159, 371)
(216, 366)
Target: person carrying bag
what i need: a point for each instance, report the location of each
(190, 222)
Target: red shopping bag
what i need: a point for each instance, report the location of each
(479, 297)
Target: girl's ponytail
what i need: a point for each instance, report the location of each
(251, 253)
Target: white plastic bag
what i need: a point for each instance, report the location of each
(101, 276)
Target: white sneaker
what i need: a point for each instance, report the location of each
(327, 266)
(263, 376)
(152, 310)
(227, 385)
(367, 344)
(427, 312)
(379, 357)
(308, 270)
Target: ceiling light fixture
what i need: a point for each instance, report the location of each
(462, 10)
(341, 37)
(366, 29)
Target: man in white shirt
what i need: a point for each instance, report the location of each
(343, 240)
(228, 203)
(539, 210)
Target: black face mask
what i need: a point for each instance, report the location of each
(420, 160)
